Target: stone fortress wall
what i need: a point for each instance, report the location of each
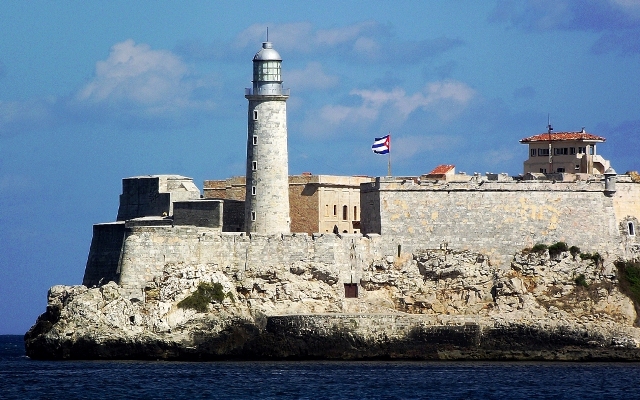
(399, 217)
(499, 218)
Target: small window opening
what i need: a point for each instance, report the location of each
(254, 165)
(399, 249)
(632, 229)
(532, 152)
(253, 190)
(255, 115)
(335, 210)
(345, 212)
(253, 215)
(255, 139)
(560, 169)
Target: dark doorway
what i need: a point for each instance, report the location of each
(350, 290)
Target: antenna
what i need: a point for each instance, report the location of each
(549, 129)
(267, 33)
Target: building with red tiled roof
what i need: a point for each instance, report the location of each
(559, 152)
(441, 172)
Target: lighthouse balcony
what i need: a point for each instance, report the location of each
(266, 91)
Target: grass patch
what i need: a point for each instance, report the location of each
(206, 294)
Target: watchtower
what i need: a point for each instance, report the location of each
(267, 195)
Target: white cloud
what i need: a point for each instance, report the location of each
(134, 86)
(311, 77)
(629, 7)
(446, 99)
(155, 81)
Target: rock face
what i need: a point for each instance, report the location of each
(436, 304)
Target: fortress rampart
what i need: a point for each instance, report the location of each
(399, 217)
(499, 218)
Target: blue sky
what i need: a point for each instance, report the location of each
(92, 92)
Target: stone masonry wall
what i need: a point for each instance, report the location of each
(147, 250)
(493, 218)
(104, 255)
(303, 204)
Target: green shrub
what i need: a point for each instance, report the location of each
(574, 250)
(595, 257)
(205, 294)
(539, 248)
(581, 281)
(629, 277)
(557, 248)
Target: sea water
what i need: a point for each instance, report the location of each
(22, 378)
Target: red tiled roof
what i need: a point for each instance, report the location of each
(560, 136)
(441, 169)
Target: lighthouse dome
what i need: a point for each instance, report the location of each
(267, 53)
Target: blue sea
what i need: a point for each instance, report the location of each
(22, 378)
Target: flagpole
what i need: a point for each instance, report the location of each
(389, 165)
(389, 160)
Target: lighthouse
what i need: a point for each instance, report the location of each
(267, 191)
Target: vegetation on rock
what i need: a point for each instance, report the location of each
(206, 294)
(629, 277)
(595, 257)
(574, 250)
(581, 281)
(539, 248)
(557, 248)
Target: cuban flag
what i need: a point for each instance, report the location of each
(382, 145)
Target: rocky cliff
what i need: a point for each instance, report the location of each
(434, 304)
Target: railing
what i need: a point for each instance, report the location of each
(266, 92)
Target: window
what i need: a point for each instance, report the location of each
(255, 139)
(631, 228)
(592, 150)
(572, 150)
(563, 151)
(335, 210)
(355, 213)
(253, 190)
(577, 167)
(543, 170)
(255, 115)
(345, 212)
(253, 215)
(581, 150)
(254, 165)
(532, 152)
(267, 71)
(543, 152)
(560, 170)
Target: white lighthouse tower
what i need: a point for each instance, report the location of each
(267, 198)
